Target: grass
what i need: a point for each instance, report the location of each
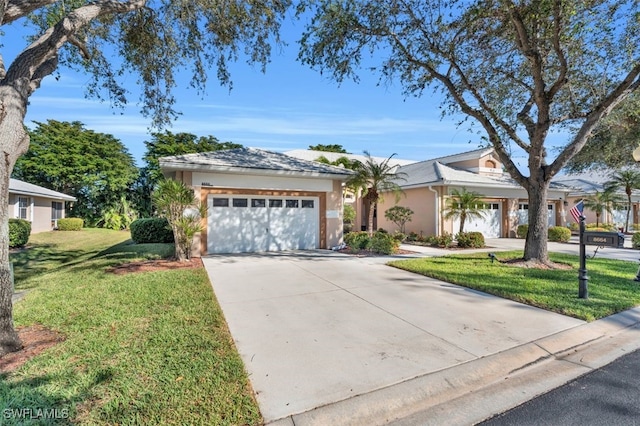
(611, 285)
(144, 348)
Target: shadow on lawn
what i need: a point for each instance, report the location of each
(29, 401)
(41, 259)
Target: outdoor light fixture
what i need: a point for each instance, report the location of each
(492, 256)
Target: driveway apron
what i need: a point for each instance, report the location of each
(318, 327)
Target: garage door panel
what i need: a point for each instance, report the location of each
(490, 224)
(266, 224)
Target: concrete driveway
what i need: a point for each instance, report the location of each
(319, 327)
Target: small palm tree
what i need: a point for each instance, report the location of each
(464, 205)
(177, 202)
(629, 180)
(603, 201)
(372, 179)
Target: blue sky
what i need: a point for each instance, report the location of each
(288, 107)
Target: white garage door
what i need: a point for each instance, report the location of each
(248, 223)
(489, 224)
(523, 214)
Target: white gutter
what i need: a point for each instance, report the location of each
(437, 215)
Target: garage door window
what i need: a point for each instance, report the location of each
(307, 204)
(292, 204)
(258, 202)
(275, 203)
(220, 202)
(240, 202)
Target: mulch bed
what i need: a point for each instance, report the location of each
(35, 339)
(155, 265)
(368, 253)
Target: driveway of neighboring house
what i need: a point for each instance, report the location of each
(318, 327)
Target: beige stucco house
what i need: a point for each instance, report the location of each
(260, 200)
(40, 206)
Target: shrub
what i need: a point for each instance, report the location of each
(151, 230)
(635, 240)
(399, 236)
(19, 232)
(444, 241)
(399, 215)
(521, 231)
(348, 217)
(383, 243)
(574, 227)
(70, 224)
(470, 239)
(559, 234)
(357, 240)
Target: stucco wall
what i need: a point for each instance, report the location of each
(423, 203)
(38, 212)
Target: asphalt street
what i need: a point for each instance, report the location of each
(607, 396)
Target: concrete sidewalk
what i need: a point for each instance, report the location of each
(335, 339)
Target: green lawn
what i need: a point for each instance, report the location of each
(144, 348)
(611, 285)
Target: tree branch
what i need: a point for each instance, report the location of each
(32, 64)
(16, 9)
(626, 86)
(562, 77)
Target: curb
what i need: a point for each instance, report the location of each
(471, 392)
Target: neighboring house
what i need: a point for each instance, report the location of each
(260, 200)
(588, 184)
(430, 183)
(40, 206)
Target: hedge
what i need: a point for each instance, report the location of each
(70, 224)
(522, 230)
(151, 230)
(357, 240)
(19, 232)
(635, 240)
(559, 234)
(470, 239)
(383, 243)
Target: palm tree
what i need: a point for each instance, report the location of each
(464, 205)
(629, 180)
(178, 203)
(602, 201)
(372, 179)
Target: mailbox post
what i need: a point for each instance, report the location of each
(601, 239)
(583, 290)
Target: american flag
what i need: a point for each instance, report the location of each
(576, 211)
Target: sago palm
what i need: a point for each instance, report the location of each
(372, 179)
(628, 180)
(464, 205)
(600, 202)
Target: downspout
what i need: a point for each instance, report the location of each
(437, 204)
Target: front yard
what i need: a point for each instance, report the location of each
(139, 348)
(611, 285)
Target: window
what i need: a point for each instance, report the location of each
(549, 206)
(292, 204)
(258, 202)
(275, 203)
(56, 210)
(307, 204)
(490, 164)
(220, 202)
(23, 205)
(240, 202)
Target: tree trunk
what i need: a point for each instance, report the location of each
(535, 247)
(463, 218)
(372, 206)
(14, 141)
(626, 223)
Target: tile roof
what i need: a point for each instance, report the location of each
(311, 155)
(464, 156)
(250, 159)
(23, 188)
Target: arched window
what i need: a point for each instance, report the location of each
(490, 164)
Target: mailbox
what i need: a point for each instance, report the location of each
(603, 239)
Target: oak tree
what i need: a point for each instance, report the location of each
(155, 42)
(521, 70)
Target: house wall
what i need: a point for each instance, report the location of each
(38, 212)
(422, 201)
(328, 191)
